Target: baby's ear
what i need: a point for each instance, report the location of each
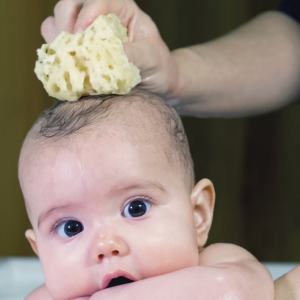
(203, 201)
(31, 238)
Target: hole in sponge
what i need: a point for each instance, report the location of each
(46, 77)
(121, 83)
(80, 65)
(73, 53)
(80, 40)
(107, 78)
(68, 82)
(55, 88)
(87, 83)
(119, 281)
(51, 51)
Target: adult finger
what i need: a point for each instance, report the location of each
(66, 13)
(126, 10)
(48, 29)
(136, 53)
(158, 70)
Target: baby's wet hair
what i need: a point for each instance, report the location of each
(65, 119)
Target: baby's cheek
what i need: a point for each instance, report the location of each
(64, 277)
(62, 285)
(165, 252)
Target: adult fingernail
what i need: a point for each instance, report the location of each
(79, 30)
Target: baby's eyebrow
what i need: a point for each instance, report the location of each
(45, 215)
(144, 185)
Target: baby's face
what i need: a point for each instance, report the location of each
(103, 207)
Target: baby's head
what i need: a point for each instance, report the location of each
(109, 189)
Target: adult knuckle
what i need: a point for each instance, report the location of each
(63, 4)
(44, 25)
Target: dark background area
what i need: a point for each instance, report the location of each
(254, 162)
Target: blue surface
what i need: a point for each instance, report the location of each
(20, 275)
(291, 8)
(279, 269)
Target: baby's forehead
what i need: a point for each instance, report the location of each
(139, 119)
(132, 122)
(131, 119)
(88, 157)
(130, 137)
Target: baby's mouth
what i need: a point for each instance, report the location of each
(119, 281)
(118, 277)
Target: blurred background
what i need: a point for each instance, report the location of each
(254, 162)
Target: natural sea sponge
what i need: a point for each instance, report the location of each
(88, 63)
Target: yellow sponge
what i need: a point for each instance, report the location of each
(88, 63)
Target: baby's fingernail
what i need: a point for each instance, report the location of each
(79, 30)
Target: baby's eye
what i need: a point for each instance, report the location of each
(69, 228)
(136, 208)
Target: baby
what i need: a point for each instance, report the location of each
(109, 188)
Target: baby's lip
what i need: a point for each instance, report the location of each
(108, 277)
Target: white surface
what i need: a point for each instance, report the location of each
(20, 275)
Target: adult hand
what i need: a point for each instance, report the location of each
(145, 48)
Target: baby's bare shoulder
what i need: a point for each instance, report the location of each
(238, 262)
(224, 253)
(40, 293)
(241, 271)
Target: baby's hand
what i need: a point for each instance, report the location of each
(145, 48)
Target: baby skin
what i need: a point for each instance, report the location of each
(113, 199)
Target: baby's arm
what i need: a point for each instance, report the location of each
(41, 293)
(225, 272)
(287, 286)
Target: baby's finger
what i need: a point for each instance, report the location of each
(125, 9)
(48, 29)
(66, 13)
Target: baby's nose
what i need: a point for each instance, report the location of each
(108, 247)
